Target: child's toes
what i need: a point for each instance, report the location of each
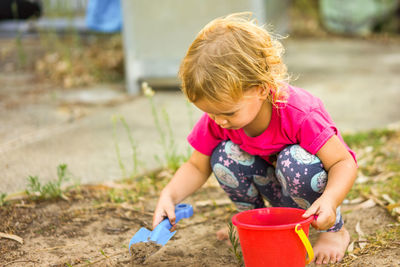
(333, 258)
(319, 259)
(326, 259)
(222, 234)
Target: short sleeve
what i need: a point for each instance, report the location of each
(315, 130)
(205, 136)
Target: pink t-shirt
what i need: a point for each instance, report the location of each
(302, 120)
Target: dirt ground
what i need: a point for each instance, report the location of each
(89, 229)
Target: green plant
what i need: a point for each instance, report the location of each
(172, 157)
(115, 197)
(134, 147)
(116, 145)
(3, 199)
(235, 249)
(103, 253)
(50, 190)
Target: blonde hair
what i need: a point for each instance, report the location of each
(229, 56)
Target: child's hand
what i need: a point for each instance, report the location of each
(326, 211)
(165, 208)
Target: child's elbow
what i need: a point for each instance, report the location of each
(352, 166)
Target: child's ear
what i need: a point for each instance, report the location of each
(263, 92)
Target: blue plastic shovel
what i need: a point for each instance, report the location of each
(161, 234)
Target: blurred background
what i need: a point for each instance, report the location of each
(87, 34)
(70, 70)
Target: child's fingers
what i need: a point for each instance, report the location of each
(311, 211)
(324, 221)
(158, 217)
(171, 214)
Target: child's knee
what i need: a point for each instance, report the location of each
(223, 167)
(296, 159)
(296, 165)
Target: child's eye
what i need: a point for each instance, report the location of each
(229, 114)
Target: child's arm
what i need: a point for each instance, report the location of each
(342, 171)
(188, 178)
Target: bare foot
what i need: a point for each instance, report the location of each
(331, 246)
(223, 234)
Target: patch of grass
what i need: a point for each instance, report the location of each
(115, 197)
(374, 138)
(359, 190)
(391, 187)
(235, 249)
(386, 236)
(71, 61)
(378, 156)
(3, 199)
(62, 9)
(393, 166)
(385, 239)
(50, 190)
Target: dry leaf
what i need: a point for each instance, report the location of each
(13, 237)
(352, 255)
(388, 199)
(383, 176)
(365, 205)
(375, 196)
(362, 179)
(354, 201)
(350, 248)
(359, 231)
(374, 192)
(361, 236)
(165, 174)
(17, 196)
(394, 209)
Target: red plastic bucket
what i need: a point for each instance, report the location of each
(274, 237)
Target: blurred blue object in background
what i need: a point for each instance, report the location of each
(104, 15)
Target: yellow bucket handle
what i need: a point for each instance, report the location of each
(306, 243)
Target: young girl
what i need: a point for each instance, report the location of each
(262, 138)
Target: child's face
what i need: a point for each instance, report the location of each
(237, 115)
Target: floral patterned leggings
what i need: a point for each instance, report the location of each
(297, 181)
